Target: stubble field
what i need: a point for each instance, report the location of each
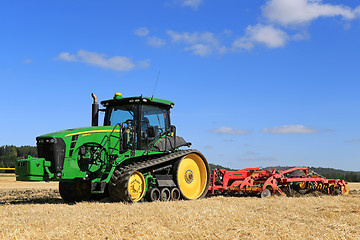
(36, 211)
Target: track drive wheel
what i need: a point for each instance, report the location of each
(75, 190)
(129, 187)
(192, 176)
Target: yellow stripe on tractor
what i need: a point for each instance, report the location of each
(92, 131)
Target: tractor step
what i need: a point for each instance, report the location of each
(98, 187)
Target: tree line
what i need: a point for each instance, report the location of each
(330, 173)
(10, 153)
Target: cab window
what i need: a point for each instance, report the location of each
(121, 114)
(155, 118)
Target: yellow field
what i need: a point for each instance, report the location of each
(36, 211)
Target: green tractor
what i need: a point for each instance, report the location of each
(134, 156)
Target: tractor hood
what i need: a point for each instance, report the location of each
(58, 146)
(68, 141)
(84, 132)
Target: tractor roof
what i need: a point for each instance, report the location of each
(119, 100)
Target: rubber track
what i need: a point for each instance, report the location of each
(119, 180)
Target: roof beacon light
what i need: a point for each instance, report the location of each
(118, 96)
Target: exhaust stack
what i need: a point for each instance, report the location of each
(95, 111)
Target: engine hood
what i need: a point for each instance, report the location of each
(84, 131)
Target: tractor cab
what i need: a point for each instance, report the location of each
(142, 120)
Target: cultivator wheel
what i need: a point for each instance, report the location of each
(192, 176)
(345, 190)
(265, 193)
(301, 187)
(75, 190)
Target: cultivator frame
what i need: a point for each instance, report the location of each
(253, 181)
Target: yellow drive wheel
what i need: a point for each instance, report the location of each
(136, 186)
(192, 176)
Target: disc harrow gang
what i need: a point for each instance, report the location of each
(253, 181)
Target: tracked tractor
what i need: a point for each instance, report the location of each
(134, 156)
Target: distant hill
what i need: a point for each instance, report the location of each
(213, 166)
(350, 176)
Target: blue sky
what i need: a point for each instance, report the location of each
(255, 83)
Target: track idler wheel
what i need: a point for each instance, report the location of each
(192, 176)
(153, 195)
(175, 194)
(164, 195)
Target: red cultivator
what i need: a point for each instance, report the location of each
(253, 181)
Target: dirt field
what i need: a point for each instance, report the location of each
(36, 211)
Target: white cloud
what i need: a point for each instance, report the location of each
(228, 32)
(142, 32)
(282, 21)
(118, 63)
(300, 36)
(288, 129)
(27, 61)
(191, 3)
(192, 38)
(198, 43)
(199, 49)
(230, 130)
(294, 12)
(65, 56)
(357, 11)
(289, 13)
(156, 42)
(143, 64)
(266, 35)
